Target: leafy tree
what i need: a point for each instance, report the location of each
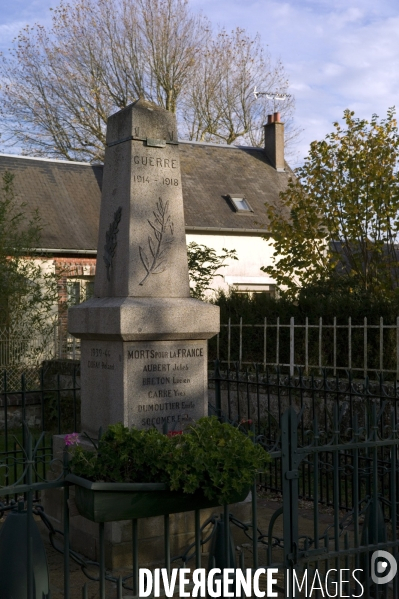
(28, 292)
(60, 85)
(203, 262)
(337, 223)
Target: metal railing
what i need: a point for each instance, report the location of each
(367, 458)
(51, 407)
(332, 442)
(362, 348)
(30, 482)
(342, 543)
(261, 397)
(22, 349)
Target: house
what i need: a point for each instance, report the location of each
(225, 189)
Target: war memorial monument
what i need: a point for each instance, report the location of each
(143, 339)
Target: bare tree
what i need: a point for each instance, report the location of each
(220, 104)
(55, 96)
(58, 87)
(172, 40)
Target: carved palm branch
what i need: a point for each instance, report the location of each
(111, 241)
(155, 261)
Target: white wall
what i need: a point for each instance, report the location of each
(244, 273)
(252, 252)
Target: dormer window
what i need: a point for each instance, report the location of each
(240, 203)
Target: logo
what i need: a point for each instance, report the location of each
(383, 567)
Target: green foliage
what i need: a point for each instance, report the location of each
(27, 292)
(217, 458)
(124, 456)
(339, 218)
(325, 299)
(203, 262)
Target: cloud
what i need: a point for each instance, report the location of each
(337, 55)
(17, 14)
(8, 31)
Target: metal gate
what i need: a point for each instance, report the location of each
(343, 550)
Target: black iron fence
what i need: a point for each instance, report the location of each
(262, 396)
(50, 405)
(334, 446)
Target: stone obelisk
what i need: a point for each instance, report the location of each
(143, 348)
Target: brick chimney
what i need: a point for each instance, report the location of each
(274, 141)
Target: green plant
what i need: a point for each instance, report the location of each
(217, 458)
(337, 221)
(28, 290)
(313, 302)
(203, 262)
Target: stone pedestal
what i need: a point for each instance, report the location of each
(144, 361)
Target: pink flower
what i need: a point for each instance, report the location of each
(72, 439)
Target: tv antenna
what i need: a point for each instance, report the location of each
(275, 96)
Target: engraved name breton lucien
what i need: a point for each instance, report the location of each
(111, 241)
(156, 260)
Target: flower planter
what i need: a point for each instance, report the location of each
(107, 502)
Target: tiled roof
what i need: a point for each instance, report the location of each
(68, 194)
(210, 172)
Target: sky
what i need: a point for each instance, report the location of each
(337, 54)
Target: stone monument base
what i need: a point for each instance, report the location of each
(143, 361)
(84, 534)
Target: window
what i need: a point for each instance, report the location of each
(89, 288)
(73, 290)
(239, 203)
(251, 285)
(80, 290)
